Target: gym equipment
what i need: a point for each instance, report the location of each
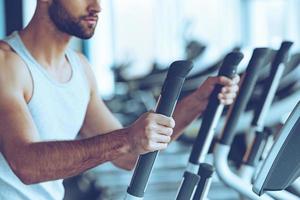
(166, 104)
(254, 151)
(211, 116)
(282, 166)
(223, 145)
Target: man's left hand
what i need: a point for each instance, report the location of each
(228, 92)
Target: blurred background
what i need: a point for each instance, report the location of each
(134, 44)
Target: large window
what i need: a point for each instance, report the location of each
(156, 31)
(101, 51)
(272, 21)
(143, 32)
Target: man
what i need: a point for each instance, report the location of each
(48, 95)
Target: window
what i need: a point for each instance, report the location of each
(100, 50)
(28, 11)
(272, 21)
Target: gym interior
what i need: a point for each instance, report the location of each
(245, 146)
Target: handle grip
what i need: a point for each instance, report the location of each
(228, 69)
(206, 172)
(270, 87)
(166, 104)
(188, 185)
(248, 82)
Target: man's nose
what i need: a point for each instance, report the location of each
(94, 6)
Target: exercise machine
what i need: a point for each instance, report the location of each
(202, 143)
(282, 166)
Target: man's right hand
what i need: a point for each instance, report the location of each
(151, 132)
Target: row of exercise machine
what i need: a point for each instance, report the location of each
(265, 169)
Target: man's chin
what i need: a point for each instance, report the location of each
(85, 36)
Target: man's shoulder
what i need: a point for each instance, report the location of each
(12, 68)
(8, 56)
(4, 46)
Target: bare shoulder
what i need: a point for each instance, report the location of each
(8, 56)
(13, 71)
(4, 46)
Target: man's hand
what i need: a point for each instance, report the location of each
(151, 132)
(228, 93)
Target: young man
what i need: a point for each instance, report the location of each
(48, 95)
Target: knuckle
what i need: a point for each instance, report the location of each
(173, 123)
(237, 78)
(149, 118)
(164, 146)
(224, 89)
(149, 136)
(149, 127)
(236, 88)
(170, 131)
(168, 139)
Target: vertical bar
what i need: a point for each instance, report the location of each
(13, 16)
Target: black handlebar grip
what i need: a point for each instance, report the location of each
(188, 186)
(228, 69)
(166, 104)
(268, 94)
(206, 172)
(248, 82)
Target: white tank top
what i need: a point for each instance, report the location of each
(58, 110)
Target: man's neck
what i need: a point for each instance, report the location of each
(45, 42)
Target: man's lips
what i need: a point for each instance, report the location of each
(91, 20)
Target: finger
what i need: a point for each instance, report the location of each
(231, 89)
(164, 130)
(227, 96)
(236, 79)
(222, 80)
(165, 121)
(158, 146)
(228, 101)
(161, 138)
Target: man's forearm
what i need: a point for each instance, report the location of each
(186, 111)
(44, 161)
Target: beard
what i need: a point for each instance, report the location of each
(66, 23)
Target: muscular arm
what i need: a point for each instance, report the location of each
(99, 120)
(35, 161)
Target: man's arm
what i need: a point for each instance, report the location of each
(36, 161)
(186, 111)
(99, 119)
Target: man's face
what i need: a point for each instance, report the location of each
(75, 17)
